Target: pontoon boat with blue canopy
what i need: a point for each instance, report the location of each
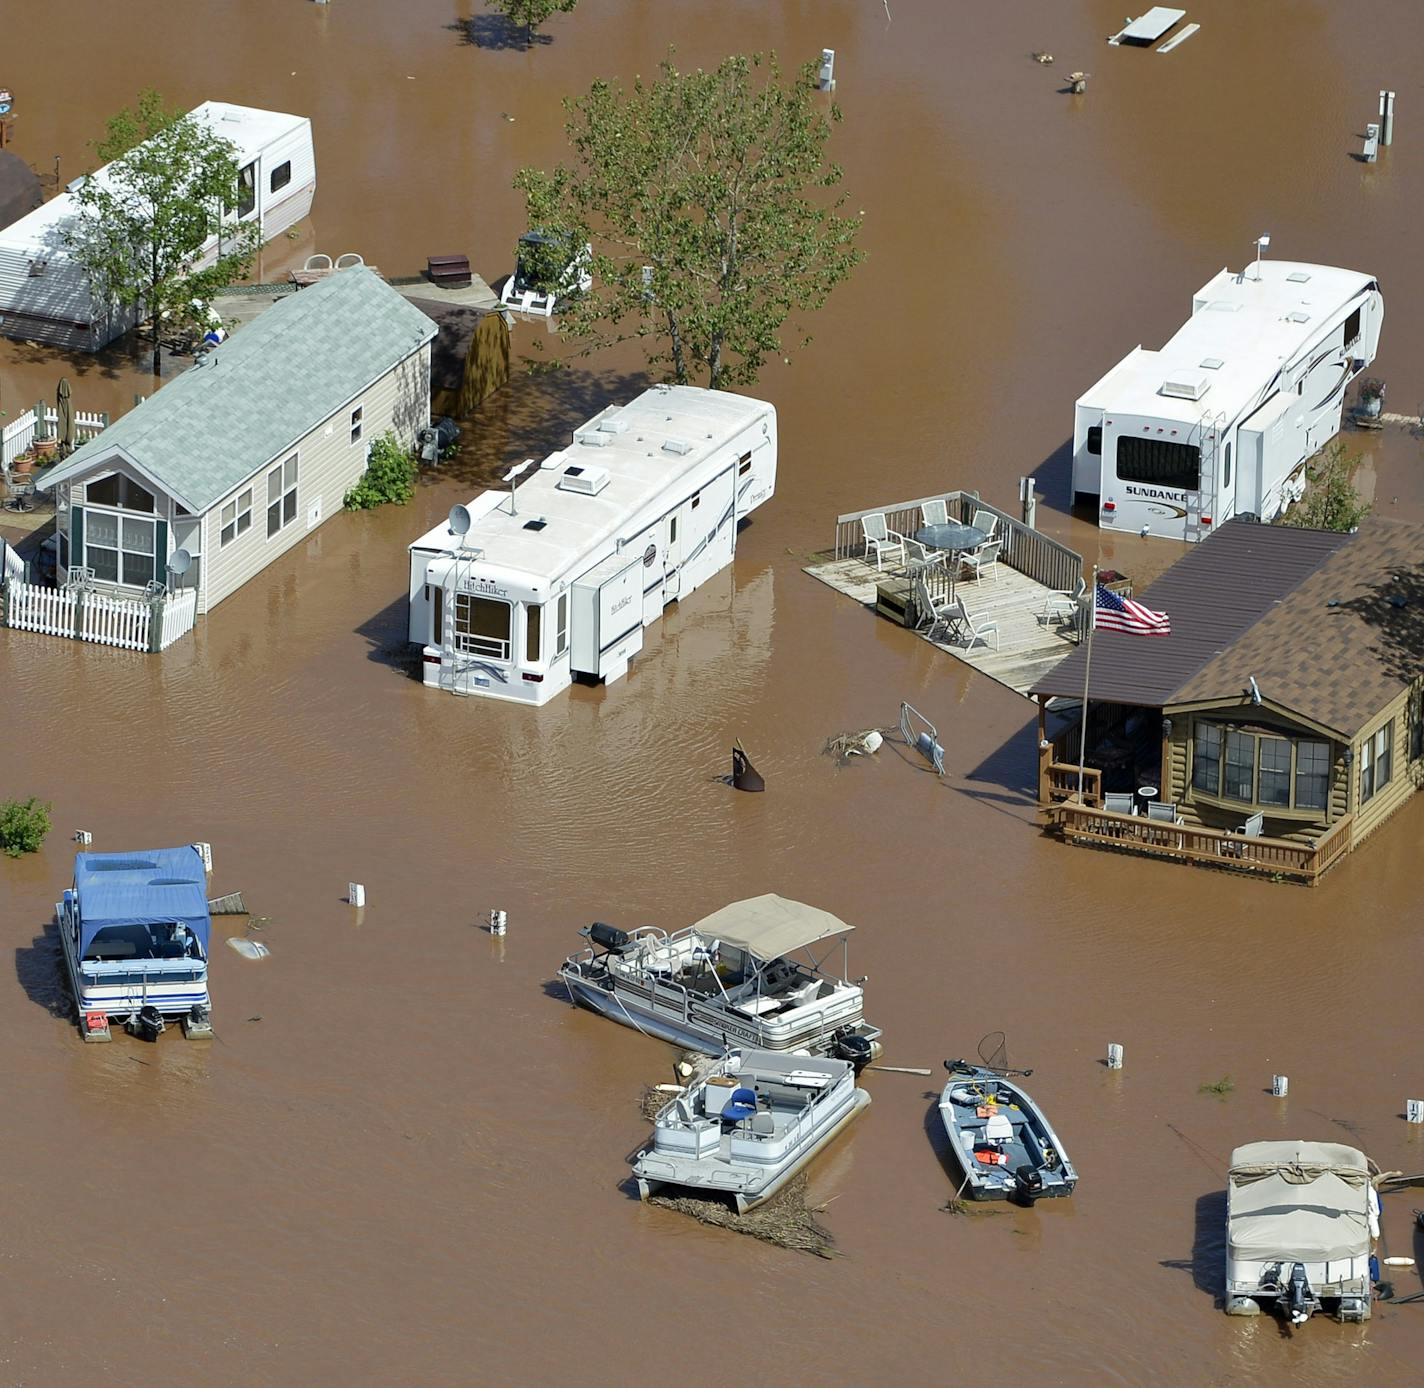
(135, 930)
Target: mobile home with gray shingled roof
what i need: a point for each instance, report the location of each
(245, 454)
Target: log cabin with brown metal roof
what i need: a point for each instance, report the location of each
(1276, 727)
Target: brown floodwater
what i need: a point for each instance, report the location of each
(402, 1160)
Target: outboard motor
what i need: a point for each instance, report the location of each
(854, 1048)
(146, 1023)
(1028, 1185)
(606, 936)
(1300, 1300)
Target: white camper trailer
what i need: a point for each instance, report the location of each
(45, 294)
(520, 592)
(1219, 423)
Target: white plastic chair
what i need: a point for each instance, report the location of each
(317, 262)
(934, 618)
(880, 540)
(1163, 812)
(1115, 802)
(975, 631)
(986, 521)
(1063, 606)
(934, 512)
(921, 556)
(983, 560)
(345, 262)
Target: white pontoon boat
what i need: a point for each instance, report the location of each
(1301, 1220)
(749, 1126)
(729, 980)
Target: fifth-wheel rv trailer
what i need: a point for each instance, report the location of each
(519, 592)
(45, 294)
(1219, 423)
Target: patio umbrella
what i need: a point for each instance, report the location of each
(65, 410)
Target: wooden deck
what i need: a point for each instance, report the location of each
(1028, 649)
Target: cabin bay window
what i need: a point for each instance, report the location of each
(281, 496)
(119, 549)
(1258, 767)
(236, 518)
(483, 625)
(1376, 758)
(1158, 462)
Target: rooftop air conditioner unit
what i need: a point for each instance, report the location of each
(588, 481)
(678, 446)
(593, 439)
(613, 426)
(1186, 387)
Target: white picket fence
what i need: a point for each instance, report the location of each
(19, 434)
(124, 622)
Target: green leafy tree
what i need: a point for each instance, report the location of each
(1330, 501)
(708, 201)
(23, 826)
(172, 183)
(390, 476)
(531, 13)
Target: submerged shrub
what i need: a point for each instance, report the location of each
(389, 476)
(23, 825)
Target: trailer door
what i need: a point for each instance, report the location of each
(674, 524)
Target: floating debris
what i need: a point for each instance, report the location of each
(844, 746)
(1078, 82)
(1044, 58)
(248, 949)
(744, 775)
(230, 905)
(787, 1221)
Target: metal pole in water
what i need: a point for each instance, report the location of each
(1280, 1086)
(498, 922)
(1114, 1056)
(1386, 118)
(1414, 1110)
(826, 78)
(1087, 668)
(1030, 502)
(1371, 151)
(355, 894)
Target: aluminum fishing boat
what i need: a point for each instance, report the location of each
(728, 981)
(755, 1120)
(1301, 1222)
(1004, 1145)
(134, 929)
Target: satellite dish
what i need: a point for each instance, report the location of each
(460, 520)
(179, 562)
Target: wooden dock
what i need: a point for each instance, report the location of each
(1028, 647)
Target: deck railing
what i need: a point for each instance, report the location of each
(1283, 858)
(1035, 555)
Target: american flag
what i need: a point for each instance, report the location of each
(1112, 613)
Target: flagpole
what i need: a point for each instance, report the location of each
(1087, 670)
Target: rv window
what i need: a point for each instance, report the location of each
(437, 620)
(247, 191)
(117, 490)
(744, 464)
(561, 625)
(697, 501)
(1158, 463)
(1095, 440)
(532, 615)
(1226, 468)
(482, 625)
(281, 176)
(1352, 328)
(672, 531)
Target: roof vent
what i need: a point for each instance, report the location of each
(588, 481)
(1186, 387)
(1224, 306)
(1298, 277)
(538, 523)
(1212, 363)
(678, 446)
(1298, 317)
(593, 439)
(613, 426)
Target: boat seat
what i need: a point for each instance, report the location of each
(764, 1125)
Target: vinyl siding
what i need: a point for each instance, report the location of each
(328, 465)
(1403, 778)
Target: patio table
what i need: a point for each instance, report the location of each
(954, 539)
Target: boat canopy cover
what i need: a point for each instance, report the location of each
(155, 886)
(1306, 1201)
(770, 926)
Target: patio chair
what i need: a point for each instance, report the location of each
(1063, 606)
(983, 560)
(934, 512)
(934, 618)
(880, 540)
(972, 630)
(918, 556)
(1163, 812)
(1254, 827)
(347, 261)
(1115, 802)
(986, 521)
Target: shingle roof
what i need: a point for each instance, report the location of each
(1344, 643)
(269, 384)
(1214, 594)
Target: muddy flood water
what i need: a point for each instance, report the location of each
(403, 1158)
